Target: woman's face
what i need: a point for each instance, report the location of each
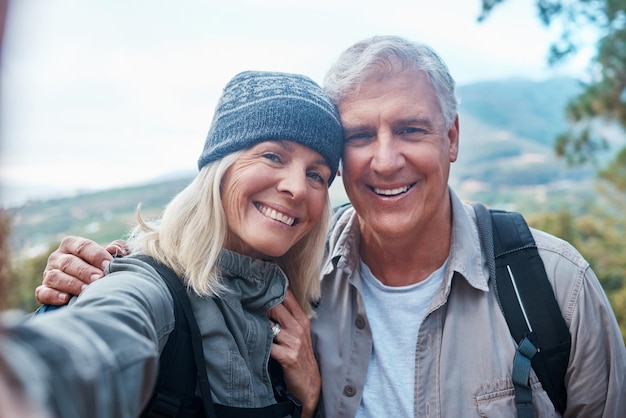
(273, 195)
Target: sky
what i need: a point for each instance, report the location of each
(101, 94)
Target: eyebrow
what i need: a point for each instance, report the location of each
(357, 128)
(418, 121)
(286, 144)
(406, 121)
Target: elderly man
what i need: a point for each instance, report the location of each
(408, 323)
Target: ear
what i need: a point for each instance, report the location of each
(453, 139)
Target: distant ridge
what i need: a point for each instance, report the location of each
(529, 109)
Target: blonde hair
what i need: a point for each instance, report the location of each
(192, 232)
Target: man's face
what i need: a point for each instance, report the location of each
(397, 155)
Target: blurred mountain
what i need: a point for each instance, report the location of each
(525, 108)
(506, 160)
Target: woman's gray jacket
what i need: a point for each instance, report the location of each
(99, 357)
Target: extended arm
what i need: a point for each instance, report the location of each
(98, 357)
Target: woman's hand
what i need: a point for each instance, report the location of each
(76, 263)
(293, 349)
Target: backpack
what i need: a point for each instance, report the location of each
(527, 301)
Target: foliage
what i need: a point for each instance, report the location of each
(25, 276)
(604, 97)
(5, 258)
(18, 277)
(616, 172)
(599, 237)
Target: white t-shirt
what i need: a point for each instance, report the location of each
(395, 315)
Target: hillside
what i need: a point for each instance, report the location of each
(102, 216)
(528, 109)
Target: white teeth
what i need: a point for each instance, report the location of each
(280, 217)
(391, 192)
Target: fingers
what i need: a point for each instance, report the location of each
(48, 296)
(293, 342)
(56, 281)
(77, 257)
(290, 315)
(293, 350)
(76, 263)
(118, 248)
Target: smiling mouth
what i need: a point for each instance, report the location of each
(392, 192)
(277, 216)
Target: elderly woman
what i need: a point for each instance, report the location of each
(246, 237)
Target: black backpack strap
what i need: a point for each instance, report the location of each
(181, 364)
(529, 306)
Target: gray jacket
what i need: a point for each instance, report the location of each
(98, 357)
(464, 353)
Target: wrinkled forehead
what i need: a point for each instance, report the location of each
(376, 75)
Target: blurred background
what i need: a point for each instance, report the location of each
(104, 105)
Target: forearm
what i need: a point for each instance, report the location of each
(77, 374)
(97, 358)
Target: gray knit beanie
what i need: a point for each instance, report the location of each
(261, 106)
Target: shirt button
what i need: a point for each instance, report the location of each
(349, 390)
(360, 322)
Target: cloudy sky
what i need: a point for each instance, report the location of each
(99, 94)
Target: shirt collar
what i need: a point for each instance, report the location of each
(466, 255)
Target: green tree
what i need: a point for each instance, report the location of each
(598, 236)
(604, 96)
(5, 258)
(25, 276)
(615, 172)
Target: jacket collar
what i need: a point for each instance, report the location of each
(256, 283)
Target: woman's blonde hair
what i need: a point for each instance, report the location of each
(192, 232)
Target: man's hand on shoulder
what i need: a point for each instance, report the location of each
(74, 265)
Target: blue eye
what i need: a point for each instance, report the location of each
(357, 136)
(408, 130)
(272, 156)
(411, 131)
(316, 176)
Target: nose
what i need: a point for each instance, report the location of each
(387, 158)
(294, 183)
